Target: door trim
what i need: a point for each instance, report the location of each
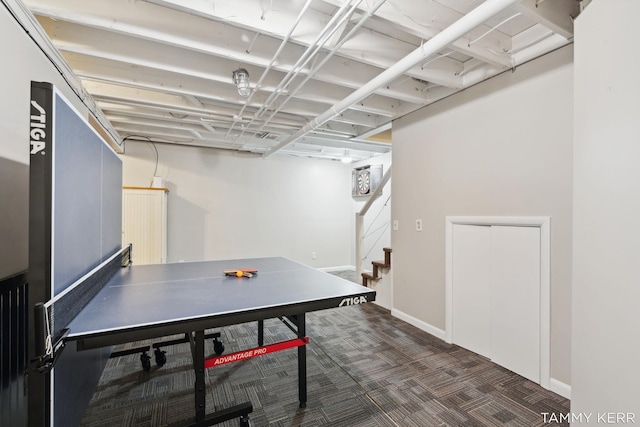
(542, 222)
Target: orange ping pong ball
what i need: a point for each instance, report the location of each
(239, 273)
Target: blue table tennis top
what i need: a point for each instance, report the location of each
(176, 297)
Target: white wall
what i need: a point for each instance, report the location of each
(224, 204)
(606, 281)
(502, 147)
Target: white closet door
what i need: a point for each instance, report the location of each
(496, 294)
(472, 278)
(515, 299)
(144, 223)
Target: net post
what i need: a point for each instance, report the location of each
(127, 255)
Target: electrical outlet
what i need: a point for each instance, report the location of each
(313, 255)
(418, 225)
(396, 225)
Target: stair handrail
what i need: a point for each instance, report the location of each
(360, 220)
(376, 192)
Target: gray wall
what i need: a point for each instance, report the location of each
(14, 222)
(502, 147)
(606, 283)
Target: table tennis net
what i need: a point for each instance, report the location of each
(61, 309)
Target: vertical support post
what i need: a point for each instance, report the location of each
(359, 244)
(198, 368)
(302, 362)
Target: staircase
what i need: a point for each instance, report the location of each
(377, 266)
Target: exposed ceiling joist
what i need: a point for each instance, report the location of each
(161, 69)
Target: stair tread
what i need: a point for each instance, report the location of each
(367, 276)
(371, 276)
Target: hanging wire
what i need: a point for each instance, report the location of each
(412, 19)
(436, 58)
(250, 48)
(153, 145)
(494, 28)
(377, 215)
(386, 225)
(266, 10)
(382, 228)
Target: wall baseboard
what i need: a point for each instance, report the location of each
(560, 388)
(338, 268)
(430, 329)
(555, 386)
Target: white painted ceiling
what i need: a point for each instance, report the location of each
(161, 70)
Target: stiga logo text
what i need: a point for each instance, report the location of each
(353, 301)
(38, 125)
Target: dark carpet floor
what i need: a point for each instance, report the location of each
(365, 368)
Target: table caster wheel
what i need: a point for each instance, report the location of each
(245, 421)
(145, 359)
(218, 347)
(161, 357)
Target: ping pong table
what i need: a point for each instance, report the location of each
(75, 225)
(152, 301)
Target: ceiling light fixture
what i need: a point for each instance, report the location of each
(241, 79)
(346, 158)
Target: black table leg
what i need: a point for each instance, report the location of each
(241, 411)
(260, 332)
(302, 362)
(198, 367)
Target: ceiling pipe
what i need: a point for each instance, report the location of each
(441, 40)
(320, 40)
(330, 55)
(273, 59)
(330, 28)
